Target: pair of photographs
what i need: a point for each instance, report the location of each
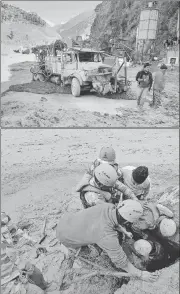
(90, 147)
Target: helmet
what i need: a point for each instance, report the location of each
(167, 227)
(143, 247)
(140, 174)
(130, 210)
(107, 154)
(105, 175)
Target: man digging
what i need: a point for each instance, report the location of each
(97, 225)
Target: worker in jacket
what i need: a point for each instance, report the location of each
(102, 187)
(137, 180)
(158, 219)
(97, 225)
(157, 227)
(144, 79)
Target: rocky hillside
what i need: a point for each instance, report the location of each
(21, 28)
(119, 18)
(77, 26)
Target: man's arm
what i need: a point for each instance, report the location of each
(125, 190)
(120, 175)
(146, 190)
(110, 244)
(137, 76)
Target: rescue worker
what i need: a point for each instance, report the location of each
(158, 219)
(102, 187)
(158, 228)
(146, 254)
(157, 223)
(106, 155)
(97, 225)
(158, 86)
(144, 79)
(137, 180)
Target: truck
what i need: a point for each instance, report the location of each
(83, 69)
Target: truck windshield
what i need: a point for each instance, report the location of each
(89, 57)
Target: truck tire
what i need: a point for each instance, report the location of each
(41, 78)
(34, 77)
(75, 87)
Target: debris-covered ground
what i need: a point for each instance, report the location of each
(36, 104)
(40, 169)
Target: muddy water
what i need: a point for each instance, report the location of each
(9, 59)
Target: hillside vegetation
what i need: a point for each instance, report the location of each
(21, 28)
(119, 19)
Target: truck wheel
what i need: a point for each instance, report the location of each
(34, 77)
(75, 87)
(41, 78)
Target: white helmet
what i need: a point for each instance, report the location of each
(143, 247)
(130, 210)
(107, 155)
(167, 227)
(105, 174)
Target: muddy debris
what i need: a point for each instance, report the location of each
(40, 88)
(79, 273)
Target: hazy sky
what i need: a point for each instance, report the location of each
(56, 11)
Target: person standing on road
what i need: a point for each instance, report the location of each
(97, 225)
(158, 86)
(145, 80)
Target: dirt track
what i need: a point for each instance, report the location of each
(35, 104)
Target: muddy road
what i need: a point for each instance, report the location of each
(36, 104)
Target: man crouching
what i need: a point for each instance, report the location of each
(97, 225)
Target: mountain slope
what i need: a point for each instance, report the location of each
(120, 18)
(21, 28)
(77, 26)
(74, 21)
